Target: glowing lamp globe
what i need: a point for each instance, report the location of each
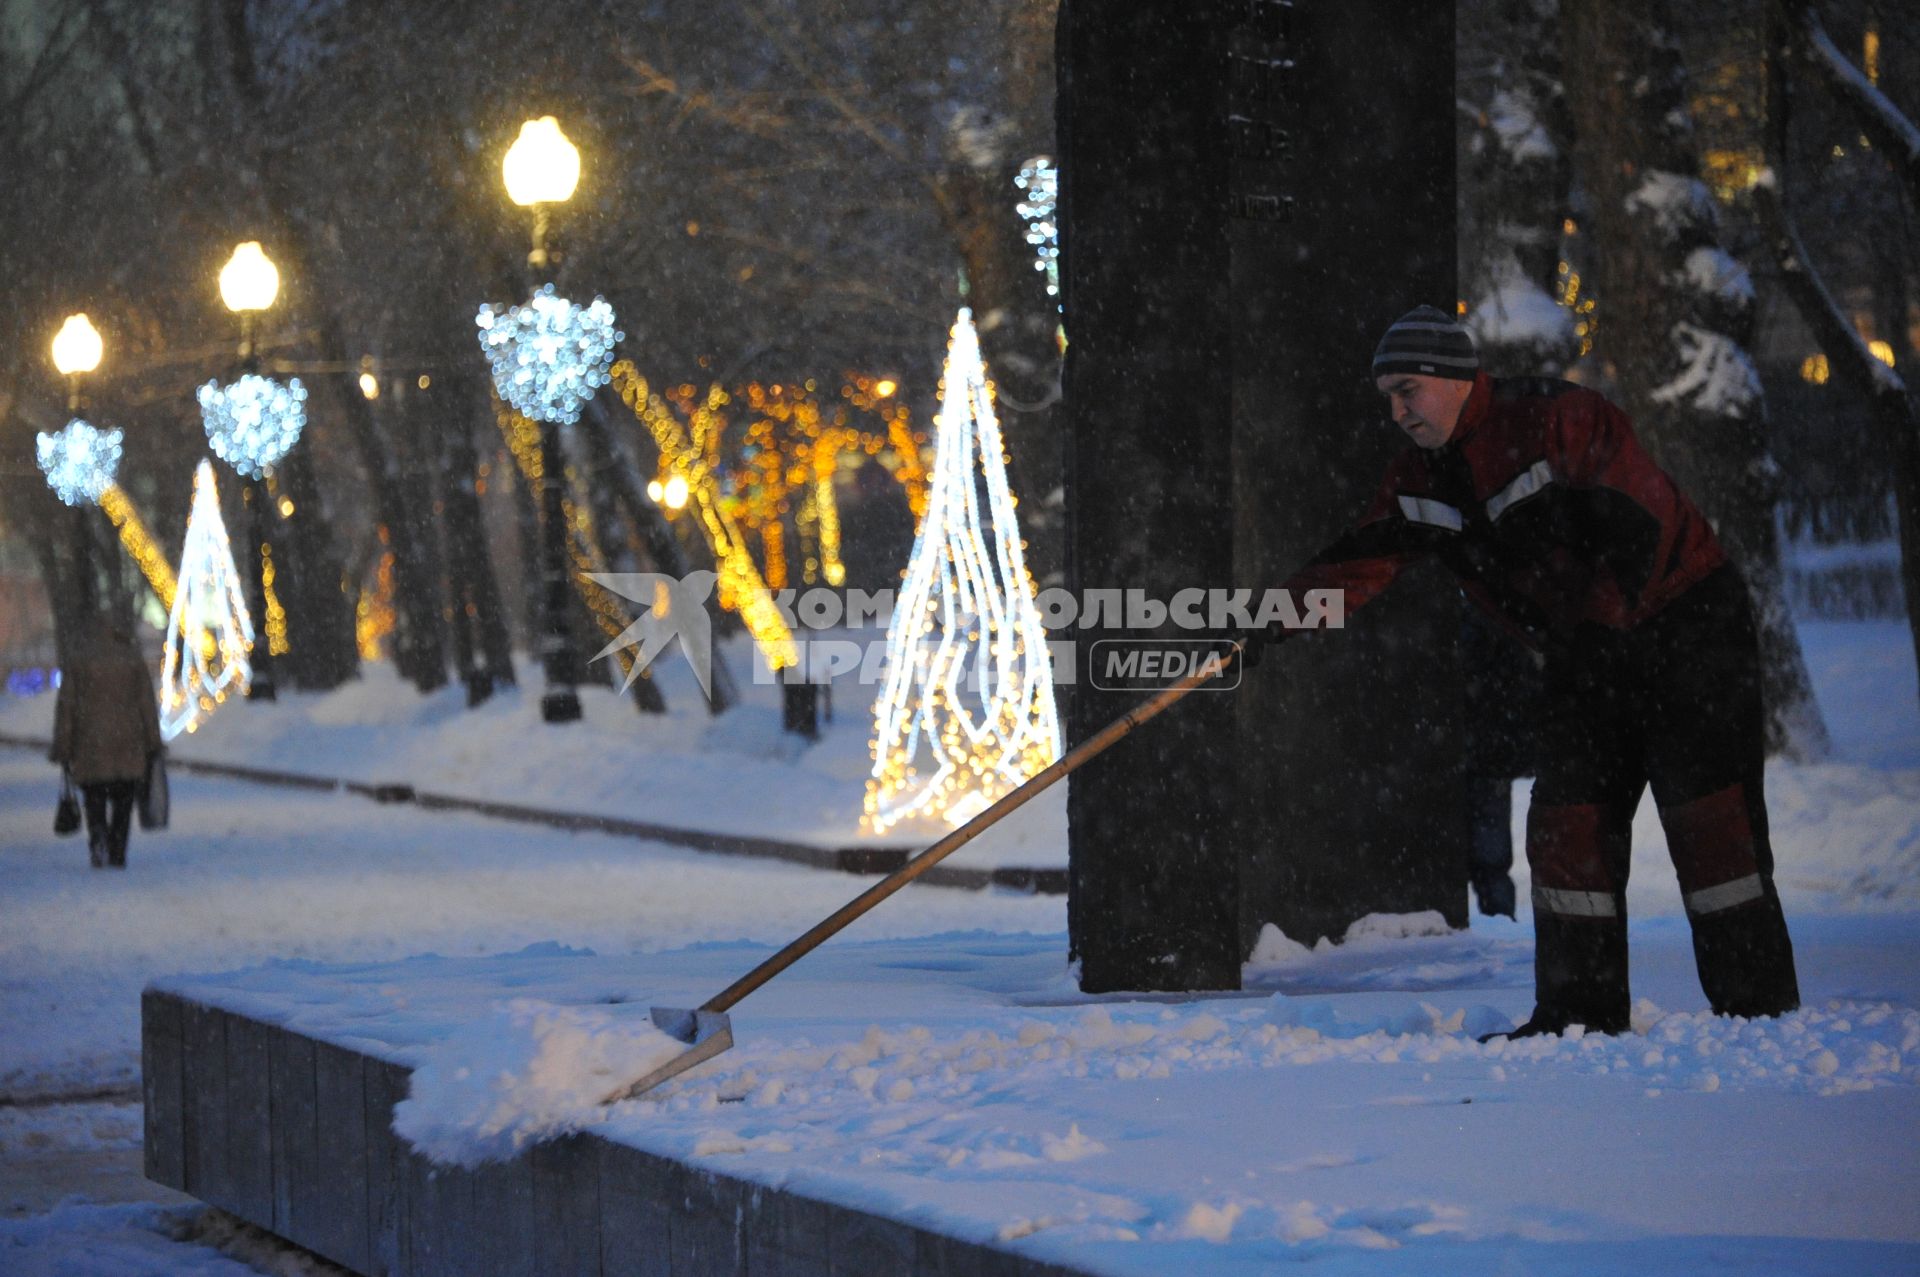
(541, 166)
(76, 347)
(249, 281)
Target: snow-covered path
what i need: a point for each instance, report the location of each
(939, 1062)
(250, 873)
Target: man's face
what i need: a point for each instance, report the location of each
(1427, 408)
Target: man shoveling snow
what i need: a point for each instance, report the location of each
(1538, 497)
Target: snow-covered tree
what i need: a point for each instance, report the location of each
(1514, 186)
(1675, 313)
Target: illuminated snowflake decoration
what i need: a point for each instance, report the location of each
(1039, 182)
(79, 461)
(253, 422)
(549, 356)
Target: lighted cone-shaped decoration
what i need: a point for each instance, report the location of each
(208, 632)
(966, 710)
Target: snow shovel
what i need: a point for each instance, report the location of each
(707, 1030)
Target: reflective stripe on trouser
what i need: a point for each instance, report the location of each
(1578, 856)
(1740, 940)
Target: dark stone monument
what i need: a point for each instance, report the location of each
(1251, 190)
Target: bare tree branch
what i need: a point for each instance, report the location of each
(1890, 408)
(1878, 118)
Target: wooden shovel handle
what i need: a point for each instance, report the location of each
(959, 838)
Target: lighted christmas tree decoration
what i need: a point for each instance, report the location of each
(79, 461)
(1039, 181)
(965, 711)
(549, 356)
(252, 422)
(208, 632)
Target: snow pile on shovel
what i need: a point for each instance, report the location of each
(528, 1072)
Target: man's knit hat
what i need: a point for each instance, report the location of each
(1428, 342)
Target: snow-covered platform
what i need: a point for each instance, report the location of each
(295, 1135)
(952, 1104)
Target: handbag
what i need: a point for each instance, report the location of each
(156, 800)
(66, 816)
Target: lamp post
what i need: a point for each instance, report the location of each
(249, 282)
(77, 350)
(541, 169)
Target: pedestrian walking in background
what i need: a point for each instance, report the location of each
(106, 731)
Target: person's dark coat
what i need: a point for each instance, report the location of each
(106, 723)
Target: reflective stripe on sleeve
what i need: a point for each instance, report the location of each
(1576, 904)
(1434, 513)
(1724, 896)
(1531, 480)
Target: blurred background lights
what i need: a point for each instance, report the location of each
(253, 422)
(549, 356)
(80, 462)
(1039, 183)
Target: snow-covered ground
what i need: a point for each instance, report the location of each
(937, 1061)
(683, 769)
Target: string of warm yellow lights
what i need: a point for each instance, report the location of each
(1566, 289)
(901, 455)
(685, 453)
(791, 445)
(276, 614)
(139, 544)
(374, 617)
(523, 445)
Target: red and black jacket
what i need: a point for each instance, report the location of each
(1543, 504)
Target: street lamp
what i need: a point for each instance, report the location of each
(251, 424)
(80, 461)
(76, 351)
(541, 170)
(249, 281)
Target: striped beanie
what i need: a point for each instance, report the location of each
(1428, 342)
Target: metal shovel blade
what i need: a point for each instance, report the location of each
(708, 1033)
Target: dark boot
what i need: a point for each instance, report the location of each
(1548, 1023)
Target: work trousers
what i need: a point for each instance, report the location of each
(109, 808)
(1674, 703)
